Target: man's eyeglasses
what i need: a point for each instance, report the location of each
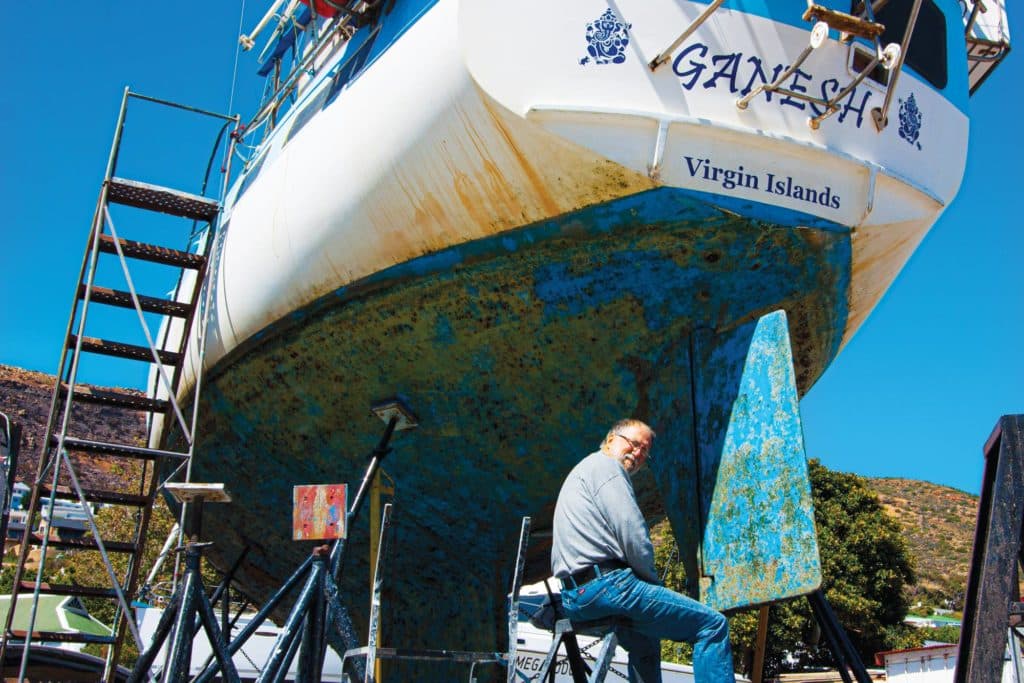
(636, 445)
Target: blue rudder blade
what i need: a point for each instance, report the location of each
(758, 542)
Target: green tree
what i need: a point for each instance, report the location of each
(943, 634)
(866, 567)
(865, 560)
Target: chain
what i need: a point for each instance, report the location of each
(583, 651)
(255, 666)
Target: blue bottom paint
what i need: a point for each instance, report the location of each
(517, 353)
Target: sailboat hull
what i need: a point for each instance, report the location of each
(523, 244)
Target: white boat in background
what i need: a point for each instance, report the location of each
(250, 658)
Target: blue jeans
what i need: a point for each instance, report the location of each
(654, 613)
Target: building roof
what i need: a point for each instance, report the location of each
(56, 613)
(938, 649)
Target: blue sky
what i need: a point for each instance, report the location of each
(915, 394)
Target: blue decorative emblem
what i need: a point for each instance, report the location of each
(607, 39)
(910, 121)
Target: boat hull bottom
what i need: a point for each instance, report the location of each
(517, 353)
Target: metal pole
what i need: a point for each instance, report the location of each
(213, 634)
(372, 664)
(122, 601)
(846, 656)
(163, 629)
(12, 433)
(178, 105)
(225, 616)
(26, 645)
(667, 52)
(881, 115)
(513, 598)
(381, 450)
(1017, 662)
(339, 630)
(181, 648)
(257, 621)
(311, 654)
(282, 671)
(291, 625)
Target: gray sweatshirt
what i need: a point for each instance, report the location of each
(597, 519)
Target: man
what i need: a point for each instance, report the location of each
(602, 553)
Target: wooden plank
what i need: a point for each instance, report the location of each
(997, 549)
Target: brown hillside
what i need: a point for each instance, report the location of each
(938, 523)
(25, 398)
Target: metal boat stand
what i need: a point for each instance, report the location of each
(189, 602)
(848, 662)
(318, 616)
(319, 595)
(565, 634)
(372, 652)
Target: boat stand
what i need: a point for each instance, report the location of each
(319, 596)
(846, 657)
(565, 634)
(318, 616)
(189, 602)
(372, 652)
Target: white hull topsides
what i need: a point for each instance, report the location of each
(480, 119)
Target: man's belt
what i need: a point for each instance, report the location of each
(577, 579)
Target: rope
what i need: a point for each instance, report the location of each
(238, 49)
(234, 76)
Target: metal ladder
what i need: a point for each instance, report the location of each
(69, 458)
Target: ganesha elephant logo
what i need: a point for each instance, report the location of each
(910, 121)
(607, 39)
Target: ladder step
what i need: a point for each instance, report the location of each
(162, 199)
(95, 496)
(116, 399)
(152, 252)
(107, 347)
(84, 543)
(116, 449)
(60, 637)
(67, 589)
(843, 22)
(116, 297)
